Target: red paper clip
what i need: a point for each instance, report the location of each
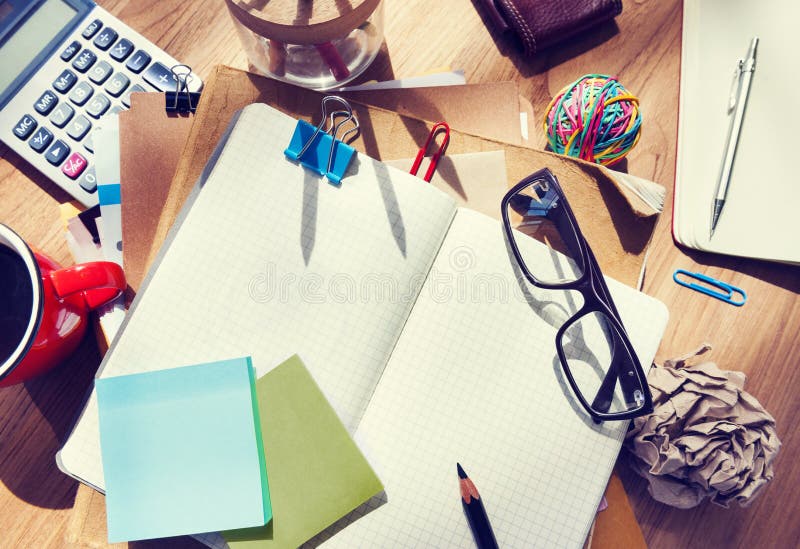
(439, 127)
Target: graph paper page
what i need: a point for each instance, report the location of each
(273, 261)
(475, 379)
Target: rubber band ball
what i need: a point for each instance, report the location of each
(594, 118)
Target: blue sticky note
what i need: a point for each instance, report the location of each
(182, 451)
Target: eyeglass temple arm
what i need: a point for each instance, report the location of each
(605, 393)
(600, 284)
(629, 384)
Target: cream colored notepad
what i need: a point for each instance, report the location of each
(760, 214)
(407, 312)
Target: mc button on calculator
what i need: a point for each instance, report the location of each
(65, 65)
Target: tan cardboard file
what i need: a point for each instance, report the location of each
(617, 223)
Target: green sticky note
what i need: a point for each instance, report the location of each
(182, 451)
(317, 474)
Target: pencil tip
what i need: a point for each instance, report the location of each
(461, 473)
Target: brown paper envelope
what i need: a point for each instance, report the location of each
(464, 177)
(151, 142)
(434, 102)
(616, 526)
(480, 109)
(617, 224)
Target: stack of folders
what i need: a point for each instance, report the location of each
(728, 108)
(186, 450)
(380, 285)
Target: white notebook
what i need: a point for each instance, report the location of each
(408, 313)
(760, 215)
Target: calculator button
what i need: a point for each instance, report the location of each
(57, 153)
(116, 109)
(85, 60)
(70, 51)
(92, 29)
(79, 127)
(98, 105)
(45, 103)
(89, 180)
(117, 84)
(160, 77)
(126, 99)
(41, 139)
(74, 166)
(121, 50)
(100, 72)
(65, 81)
(25, 126)
(62, 115)
(138, 62)
(105, 38)
(88, 143)
(82, 92)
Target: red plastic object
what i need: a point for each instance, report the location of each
(437, 128)
(67, 295)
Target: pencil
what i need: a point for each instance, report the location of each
(476, 512)
(333, 59)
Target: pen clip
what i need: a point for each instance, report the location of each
(711, 286)
(735, 82)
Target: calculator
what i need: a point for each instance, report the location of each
(64, 65)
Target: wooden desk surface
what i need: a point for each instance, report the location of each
(643, 49)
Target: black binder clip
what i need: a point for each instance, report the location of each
(318, 149)
(182, 100)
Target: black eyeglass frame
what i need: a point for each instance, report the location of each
(596, 298)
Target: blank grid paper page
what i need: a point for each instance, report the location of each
(475, 379)
(273, 261)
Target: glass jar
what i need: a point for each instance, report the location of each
(319, 44)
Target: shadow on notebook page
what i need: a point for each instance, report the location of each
(392, 207)
(308, 223)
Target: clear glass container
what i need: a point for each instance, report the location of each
(317, 45)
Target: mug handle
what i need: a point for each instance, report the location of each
(98, 281)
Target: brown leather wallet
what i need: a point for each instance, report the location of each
(541, 23)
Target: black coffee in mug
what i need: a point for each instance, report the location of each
(16, 300)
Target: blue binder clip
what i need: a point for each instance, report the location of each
(318, 149)
(711, 286)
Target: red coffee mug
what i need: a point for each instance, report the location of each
(44, 308)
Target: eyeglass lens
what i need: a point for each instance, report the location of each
(536, 211)
(600, 364)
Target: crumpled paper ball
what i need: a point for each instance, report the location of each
(707, 437)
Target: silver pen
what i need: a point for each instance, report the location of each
(744, 76)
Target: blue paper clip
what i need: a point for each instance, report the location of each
(318, 149)
(714, 287)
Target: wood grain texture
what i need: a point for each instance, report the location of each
(642, 48)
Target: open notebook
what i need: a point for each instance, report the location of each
(407, 312)
(760, 215)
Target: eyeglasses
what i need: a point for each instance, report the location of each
(596, 354)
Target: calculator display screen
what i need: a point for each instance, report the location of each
(31, 38)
